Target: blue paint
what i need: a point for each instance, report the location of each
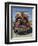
(17, 9)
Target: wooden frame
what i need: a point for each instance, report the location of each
(7, 22)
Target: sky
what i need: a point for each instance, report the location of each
(20, 9)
